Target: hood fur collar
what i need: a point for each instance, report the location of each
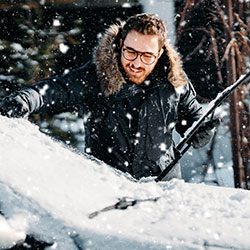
(108, 72)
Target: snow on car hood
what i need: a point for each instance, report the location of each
(48, 190)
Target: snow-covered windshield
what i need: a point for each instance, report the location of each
(48, 191)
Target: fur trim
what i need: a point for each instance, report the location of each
(106, 61)
(108, 72)
(176, 76)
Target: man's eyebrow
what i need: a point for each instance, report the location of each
(151, 53)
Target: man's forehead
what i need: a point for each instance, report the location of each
(142, 43)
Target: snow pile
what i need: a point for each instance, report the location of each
(48, 191)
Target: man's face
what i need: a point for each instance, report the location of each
(136, 70)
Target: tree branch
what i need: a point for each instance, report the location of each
(215, 50)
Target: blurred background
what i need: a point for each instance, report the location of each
(41, 38)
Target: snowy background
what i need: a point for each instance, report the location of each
(48, 191)
(212, 164)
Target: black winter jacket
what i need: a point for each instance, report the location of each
(127, 126)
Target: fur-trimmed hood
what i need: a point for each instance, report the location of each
(106, 58)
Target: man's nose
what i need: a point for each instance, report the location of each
(137, 62)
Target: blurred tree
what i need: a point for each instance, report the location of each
(213, 37)
(32, 53)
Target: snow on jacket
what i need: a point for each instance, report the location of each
(142, 146)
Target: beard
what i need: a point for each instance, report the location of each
(136, 75)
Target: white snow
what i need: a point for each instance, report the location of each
(8, 235)
(126, 5)
(56, 23)
(48, 190)
(63, 48)
(17, 47)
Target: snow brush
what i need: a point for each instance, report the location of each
(179, 150)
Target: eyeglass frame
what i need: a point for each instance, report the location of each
(139, 53)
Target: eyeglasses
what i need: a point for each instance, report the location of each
(131, 55)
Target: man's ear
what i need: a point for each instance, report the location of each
(161, 51)
(120, 43)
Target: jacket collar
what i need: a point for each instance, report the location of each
(107, 55)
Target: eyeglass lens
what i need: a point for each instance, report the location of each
(131, 55)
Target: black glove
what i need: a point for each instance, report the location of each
(14, 106)
(204, 133)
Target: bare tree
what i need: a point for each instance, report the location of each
(224, 39)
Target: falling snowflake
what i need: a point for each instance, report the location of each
(129, 116)
(56, 23)
(44, 89)
(163, 147)
(63, 48)
(183, 122)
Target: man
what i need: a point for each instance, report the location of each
(134, 93)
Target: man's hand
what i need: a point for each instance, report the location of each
(14, 106)
(204, 133)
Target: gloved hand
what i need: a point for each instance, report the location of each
(204, 133)
(14, 106)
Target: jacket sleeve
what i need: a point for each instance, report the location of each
(189, 109)
(58, 94)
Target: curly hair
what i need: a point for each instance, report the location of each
(147, 24)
